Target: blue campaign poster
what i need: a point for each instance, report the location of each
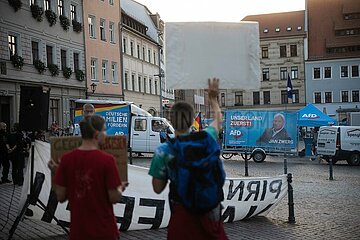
(260, 129)
(117, 117)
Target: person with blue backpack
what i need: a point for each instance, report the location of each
(192, 164)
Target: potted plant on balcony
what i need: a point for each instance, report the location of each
(16, 4)
(65, 22)
(37, 12)
(40, 66)
(54, 69)
(17, 61)
(67, 72)
(79, 74)
(77, 27)
(51, 17)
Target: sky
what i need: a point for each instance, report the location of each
(218, 10)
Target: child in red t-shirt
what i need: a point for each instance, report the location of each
(89, 179)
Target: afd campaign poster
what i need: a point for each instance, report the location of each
(260, 129)
(117, 117)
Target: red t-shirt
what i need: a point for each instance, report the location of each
(87, 176)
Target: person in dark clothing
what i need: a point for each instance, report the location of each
(4, 158)
(16, 154)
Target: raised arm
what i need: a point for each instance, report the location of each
(213, 92)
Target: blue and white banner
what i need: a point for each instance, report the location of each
(141, 208)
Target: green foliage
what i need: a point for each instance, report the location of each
(51, 17)
(16, 4)
(67, 72)
(17, 61)
(37, 12)
(40, 66)
(65, 22)
(77, 27)
(54, 69)
(79, 74)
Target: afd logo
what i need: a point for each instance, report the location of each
(236, 133)
(310, 116)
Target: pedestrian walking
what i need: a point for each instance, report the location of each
(89, 179)
(15, 147)
(4, 158)
(202, 179)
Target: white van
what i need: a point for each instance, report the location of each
(340, 143)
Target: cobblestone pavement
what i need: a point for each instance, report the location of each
(324, 209)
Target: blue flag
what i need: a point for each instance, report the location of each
(289, 87)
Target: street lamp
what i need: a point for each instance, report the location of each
(93, 87)
(160, 75)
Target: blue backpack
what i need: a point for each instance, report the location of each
(196, 172)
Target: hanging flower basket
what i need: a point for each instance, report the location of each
(37, 12)
(40, 66)
(67, 72)
(79, 74)
(65, 22)
(54, 69)
(77, 27)
(16, 4)
(17, 61)
(51, 17)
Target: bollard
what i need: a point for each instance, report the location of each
(290, 200)
(246, 165)
(130, 157)
(285, 165)
(331, 169)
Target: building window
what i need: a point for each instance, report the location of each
(145, 85)
(277, 29)
(111, 32)
(126, 80)
(294, 72)
(61, 7)
(35, 50)
(143, 53)
(63, 59)
(124, 45)
(355, 71)
(355, 95)
(239, 99)
(149, 55)
(73, 12)
(104, 66)
(154, 57)
(72, 107)
(266, 97)
(265, 74)
(283, 73)
(54, 110)
(76, 61)
(156, 87)
(139, 83)
(49, 55)
(316, 73)
(284, 97)
(150, 86)
(295, 96)
(132, 48)
(293, 50)
(114, 72)
(223, 99)
(344, 71)
(47, 4)
(327, 72)
(256, 98)
(13, 47)
(328, 97)
(133, 82)
(102, 29)
(344, 96)
(111, 2)
(283, 51)
(93, 69)
(317, 97)
(91, 21)
(264, 52)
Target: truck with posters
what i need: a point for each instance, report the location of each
(125, 118)
(259, 133)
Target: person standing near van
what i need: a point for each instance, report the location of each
(89, 179)
(185, 223)
(4, 158)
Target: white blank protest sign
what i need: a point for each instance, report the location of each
(196, 51)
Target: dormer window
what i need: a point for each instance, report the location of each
(277, 29)
(266, 30)
(299, 28)
(288, 29)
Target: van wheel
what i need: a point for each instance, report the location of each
(258, 156)
(354, 159)
(227, 155)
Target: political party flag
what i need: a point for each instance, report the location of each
(289, 87)
(197, 122)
